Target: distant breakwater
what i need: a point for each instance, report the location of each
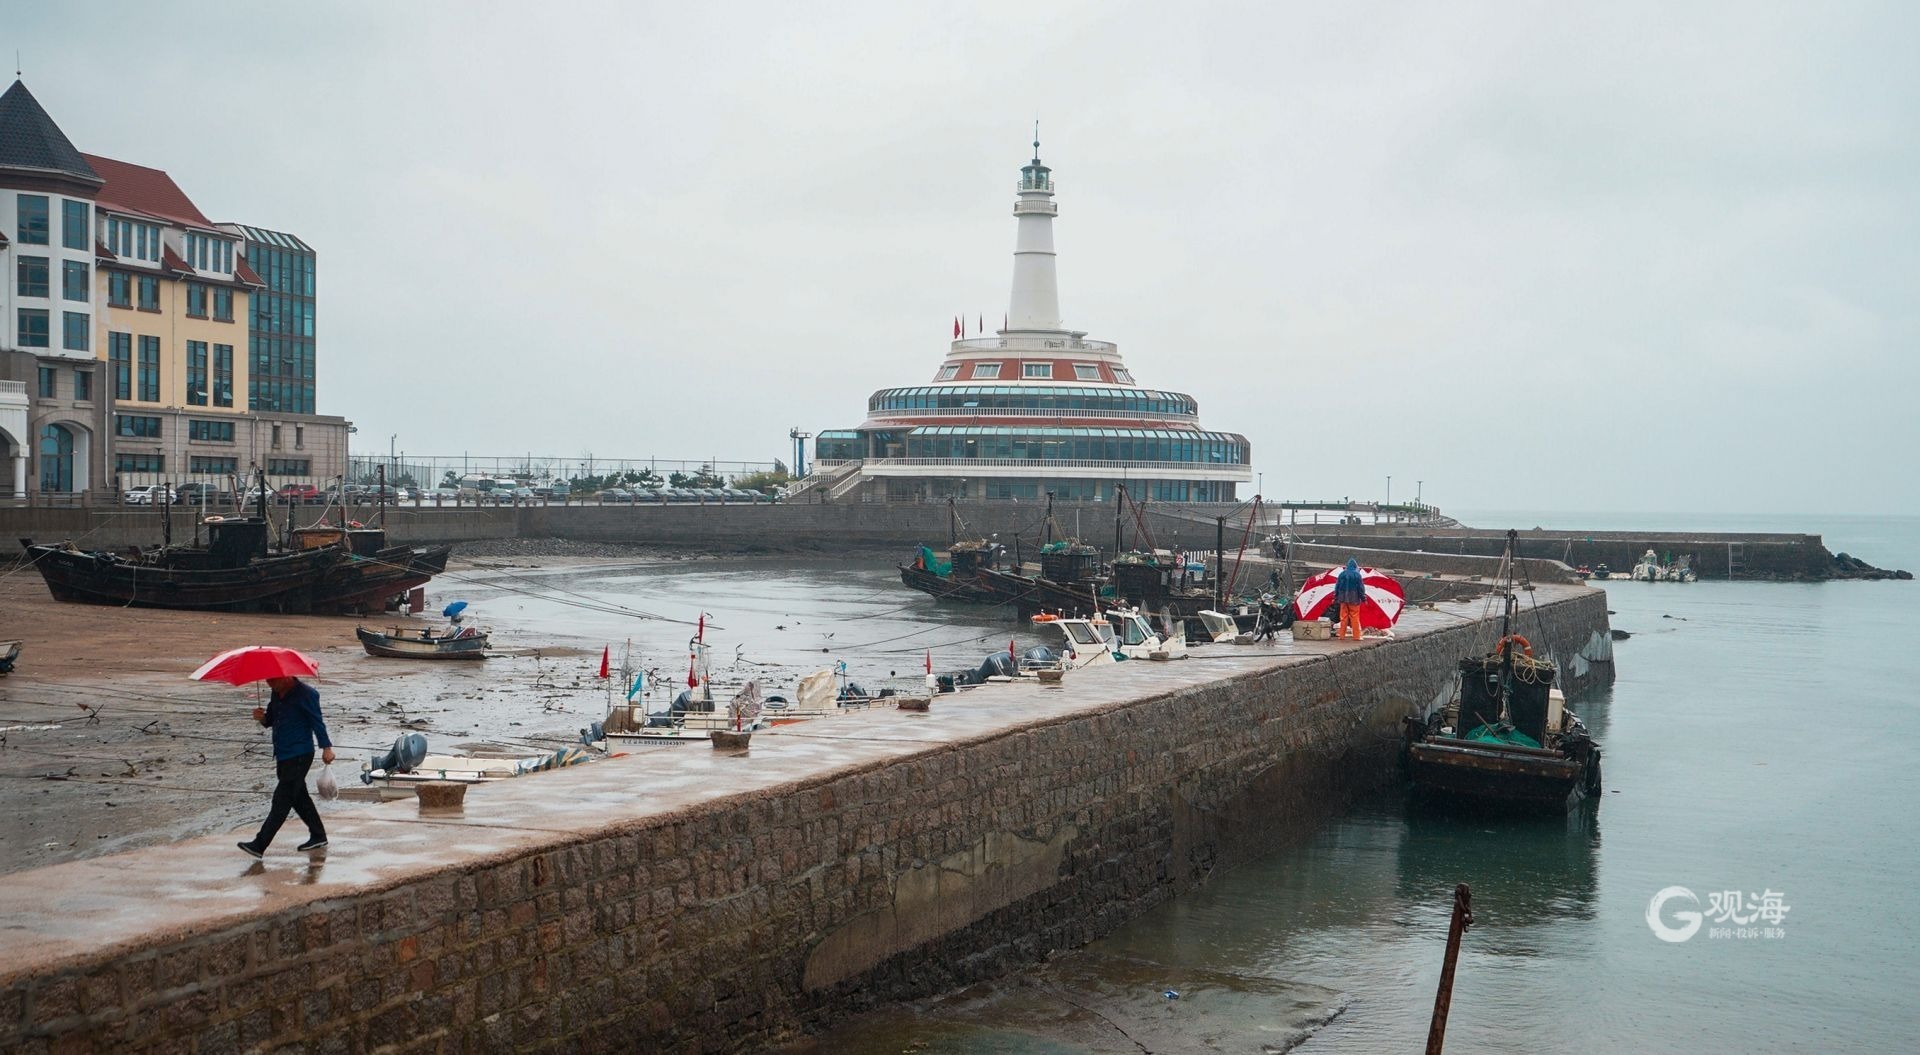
(811, 527)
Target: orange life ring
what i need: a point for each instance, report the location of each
(1046, 617)
(1524, 644)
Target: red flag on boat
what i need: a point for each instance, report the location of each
(929, 661)
(692, 681)
(1015, 656)
(606, 655)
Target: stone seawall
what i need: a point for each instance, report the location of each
(685, 900)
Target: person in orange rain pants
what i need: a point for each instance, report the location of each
(1349, 592)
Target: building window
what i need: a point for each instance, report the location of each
(149, 293)
(120, 351)
(83, 385)
(76, 331)
(149, 368)
(223, 304)
(73, 281)
(196, 300)
(276, 437)
(223, 375)
(986, 371)
(32, 218)
(210, 431)
(289, 466)
(197, 373)
(120, 289)
(31, 280)
(33, 328)
(1086, 372)
(138, 426)
(299, 437)
(1036, 370)
(1122, 375)
(139, 463)
(133, 241)
(222, 466)
(49, 380)
(948, 373)
(73, 224)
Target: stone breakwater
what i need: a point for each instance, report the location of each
(688, 900)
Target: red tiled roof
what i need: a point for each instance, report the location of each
(101, 252)
(244, 274)
(149, 192)
(172, 262)
(3, 238)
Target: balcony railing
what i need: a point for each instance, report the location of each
(871, 464)
(1027, 412)
(13, 388)
(1035, 344)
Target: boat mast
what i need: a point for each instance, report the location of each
(1046, 525)
(1119, 497)
(953, 525)
(1506, 629)
(1219, 557)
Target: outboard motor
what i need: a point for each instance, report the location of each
(593, 733)
(999, 664)
(1039, 656)
(408, 750)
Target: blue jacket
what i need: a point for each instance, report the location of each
(296, 723)
(1348, 587)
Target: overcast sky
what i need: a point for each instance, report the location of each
(1635, 257)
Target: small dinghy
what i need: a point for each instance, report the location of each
(460, 642)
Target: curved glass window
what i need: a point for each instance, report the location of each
(1062, 444)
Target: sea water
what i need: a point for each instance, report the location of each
(1762, 751)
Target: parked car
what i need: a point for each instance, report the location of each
(525, 494)
(558, 493)
(194, 493)
(149, 494)
(294, 493)
(615, 494)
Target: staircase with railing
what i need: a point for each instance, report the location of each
(829, 475)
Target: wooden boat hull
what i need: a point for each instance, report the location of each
(366, 584)
(945, 587)
(1520, 778)
(393, 646)
(1031, 596)
(271, 584)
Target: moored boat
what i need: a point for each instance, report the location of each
(460, 642)
(9, 651)
(1507, 739)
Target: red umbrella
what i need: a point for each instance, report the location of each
(1384, 601)
(255, 663)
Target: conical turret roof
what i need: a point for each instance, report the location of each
(30, 141)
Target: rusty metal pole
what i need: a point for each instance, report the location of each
(1443, 999)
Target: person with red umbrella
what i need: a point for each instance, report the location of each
(293, 713)
(1379, 607)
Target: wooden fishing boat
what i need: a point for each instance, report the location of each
(324, 568)
(464, 642)
(232, 573)
(1507, 739)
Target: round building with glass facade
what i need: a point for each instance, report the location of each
(1036, 408)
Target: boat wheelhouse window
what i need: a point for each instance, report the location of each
(1086, 372)
(986, 371)
(1133, 630)
(948, 373)
(1081, 633)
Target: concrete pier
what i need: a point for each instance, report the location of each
(683, 899)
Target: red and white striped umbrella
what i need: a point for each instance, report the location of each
(1384, 601)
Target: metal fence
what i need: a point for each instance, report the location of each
(415, 470)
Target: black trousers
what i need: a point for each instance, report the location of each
(290, 794)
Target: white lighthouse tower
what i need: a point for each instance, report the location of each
(1034, 410)
(1035, 307)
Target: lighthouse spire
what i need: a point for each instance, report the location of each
(1035, 305)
